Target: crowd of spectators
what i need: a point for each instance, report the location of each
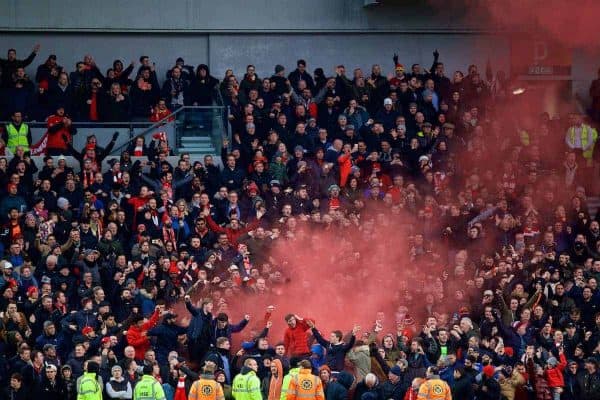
(124, 277)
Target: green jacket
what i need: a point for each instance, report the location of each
(89, 388)
(148, 388)
(246, 387)
(286, 381)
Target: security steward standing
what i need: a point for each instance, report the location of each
(148, 388)
(246, 385)
(305, 385)
(206, 388)
(434, 388)
(17, 133)
(89, 388)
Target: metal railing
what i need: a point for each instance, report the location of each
(181, 119)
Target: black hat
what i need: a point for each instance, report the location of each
(222, 317)
(212, 357)
(147, 370)
(92, 366)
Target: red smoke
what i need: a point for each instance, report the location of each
(570, 23)
(348, 274)
(342, 276)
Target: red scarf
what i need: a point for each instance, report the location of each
(94, 107)
(169, 236)
(334, 203)
(168, 188)
(118, 177)
(88, 178)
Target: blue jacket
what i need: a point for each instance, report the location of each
(335, 391)
(81, 318)
(56, 340)
(197, 325)
(166, 339)
(229, 329)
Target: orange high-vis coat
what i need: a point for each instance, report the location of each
(305, 386)
(435, 389)
(206, 389)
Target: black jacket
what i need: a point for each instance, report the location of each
(590, 386)
(202, 89)
(335, 353)
(462, 389)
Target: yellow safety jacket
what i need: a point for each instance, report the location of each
(89, 388)
(17, 137)
(587, 154)
(286, 382)
(148, 388)
(246, 387)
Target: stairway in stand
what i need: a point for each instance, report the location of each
(197, 142)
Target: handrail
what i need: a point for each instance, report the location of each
(146, 131)
(162, 122)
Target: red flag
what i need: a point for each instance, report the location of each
(160, 136)
(39, 148)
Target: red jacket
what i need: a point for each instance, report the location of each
(345, 162)
(296, 340)
(55, 139)
(554, 376)
(140, 342)
(232, 234)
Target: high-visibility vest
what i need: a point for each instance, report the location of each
(286, 382)
(524, 138)
(434, 389)
(206, 389)
(148, 388)
(246, 387)
(17, 137)
(89, 388)
(587, 154)
(305, 385)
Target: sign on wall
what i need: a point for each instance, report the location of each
(539, 57)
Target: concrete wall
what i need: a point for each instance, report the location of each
(232, 15)
(105, 48)
(222, 51)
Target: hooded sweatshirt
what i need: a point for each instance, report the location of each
(276, 381)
